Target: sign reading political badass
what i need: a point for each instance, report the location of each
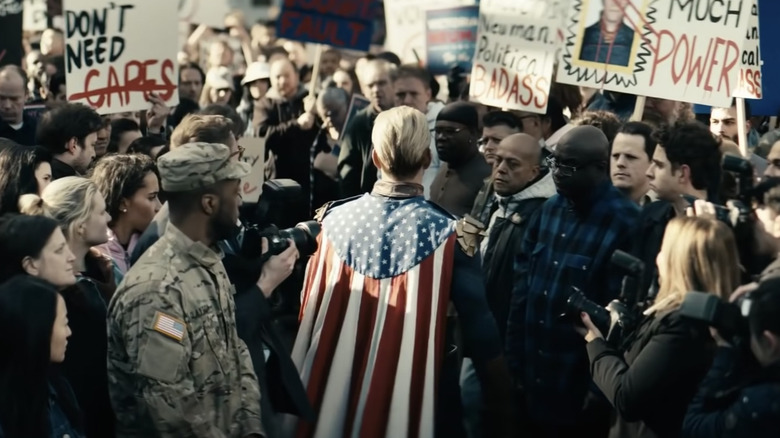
(118, 53)
(686, 50)
(515, 53)
(750, 68)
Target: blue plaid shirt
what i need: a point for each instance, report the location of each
(561, 249)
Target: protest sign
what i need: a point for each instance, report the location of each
(209, 12)
(749, 85)
(10, 32)
(405, 25)
(35, 15)
(347, 24)
(118, 53)
(515, 54)
(450, 38)
(356, 104)
(254, 154)
(686, 50)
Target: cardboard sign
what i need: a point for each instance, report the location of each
(10, 32)
(356, 104)
(118, 53)
(347, 24)
(405, 25)
(515, 54)
(35, 18)
(209, 12)
(254, 154)
(749, 85)
(451, 38)
(685, 50)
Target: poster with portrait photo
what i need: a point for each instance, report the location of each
(608, 36)
(667, 49)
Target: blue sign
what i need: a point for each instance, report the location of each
(451, 38)
(346, 24)
(769, 104)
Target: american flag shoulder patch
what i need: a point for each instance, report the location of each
(169, 326)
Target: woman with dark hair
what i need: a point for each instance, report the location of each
(35, 401)
(35, 245)
(23, 170)
(123, 132)
(147, 145)
(80, 210)
(129, 184)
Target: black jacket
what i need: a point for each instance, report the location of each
(651, 384)
(85, 365)
(647, 243)
(280, 385)
(25, 135)
(505, 236)
(751, 410)
(288, 141)
(61, 170)
(357, 170)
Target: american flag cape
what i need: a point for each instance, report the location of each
(373, 318)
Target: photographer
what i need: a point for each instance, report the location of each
(730, 404)
(651, 383)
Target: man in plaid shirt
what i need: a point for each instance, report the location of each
(568, 244)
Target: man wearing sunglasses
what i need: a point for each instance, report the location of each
(568, 245)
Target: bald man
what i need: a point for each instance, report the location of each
(521, 186)
(568, 245)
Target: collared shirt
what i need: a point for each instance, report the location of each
(563, 249)
(455, 189)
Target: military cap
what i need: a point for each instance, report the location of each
(195, 165)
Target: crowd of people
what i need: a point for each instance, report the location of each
(465, 257)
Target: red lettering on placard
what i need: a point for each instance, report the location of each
(130, 82)
(511, 88)
(750, 81)
(449, 37)
(249, 188)
(343, 8)
(684, 59)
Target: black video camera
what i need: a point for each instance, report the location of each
(730, 319)
(304, 236)
(620, 317)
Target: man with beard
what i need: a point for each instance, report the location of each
(567, 247)
(176, 364)
(725, 123)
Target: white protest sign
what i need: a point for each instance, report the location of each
(209, 12)
(35, 15)
(684, 50)
(405, 25)
(749, 85)
(118, 53)
(515, 55)
(254, 154)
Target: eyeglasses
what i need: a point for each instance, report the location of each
(447, 132)
(562, 169)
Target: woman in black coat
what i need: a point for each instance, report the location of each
(651, 383)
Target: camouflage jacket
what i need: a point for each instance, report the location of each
(175, 363)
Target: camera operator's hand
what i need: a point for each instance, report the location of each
(589, 332)
(742, 291)
(719, 341)
(277, 269)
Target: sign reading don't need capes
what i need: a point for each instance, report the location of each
(686, 50)
(515, 52)
(118, 52)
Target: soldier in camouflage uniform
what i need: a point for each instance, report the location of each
(176, 365)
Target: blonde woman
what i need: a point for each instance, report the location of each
(80, 210)
(651, 383)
